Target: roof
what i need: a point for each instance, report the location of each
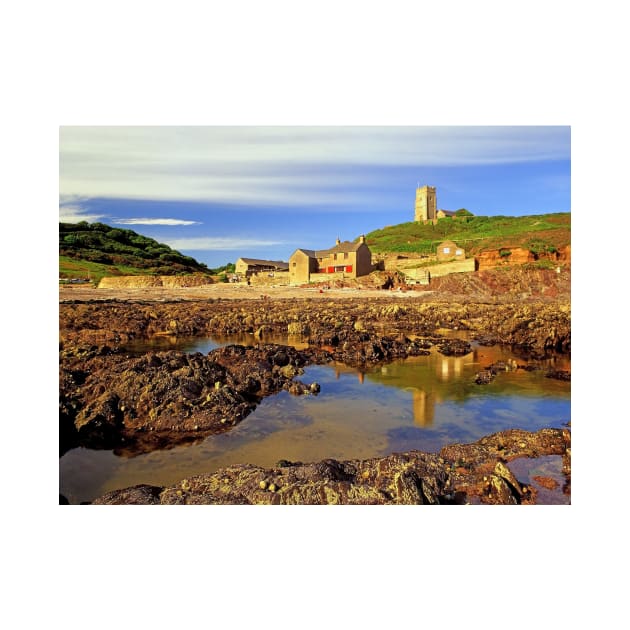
(344, 247)
(340, 248)
(448, 213)
(278, 264)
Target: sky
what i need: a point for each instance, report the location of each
(219, 193)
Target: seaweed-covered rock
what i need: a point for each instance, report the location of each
(462, 473)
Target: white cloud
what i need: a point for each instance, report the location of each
(277, 165)
(76, 214)
(218, 243)
(148, 221)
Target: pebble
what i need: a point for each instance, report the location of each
(263, 485)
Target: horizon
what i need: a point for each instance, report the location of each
(221, 193)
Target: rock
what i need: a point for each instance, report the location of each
(561, 375)
(136, 495)
(454, 347)
(400, 478)
(501, 470)
(484, 377)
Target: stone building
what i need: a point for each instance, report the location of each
(448, 250)
(441, 214)
(245, 267)
(426, 203)
(344, 260)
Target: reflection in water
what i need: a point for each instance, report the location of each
(423, 408)
(419, 403)
(206, 344)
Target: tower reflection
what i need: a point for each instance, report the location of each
(423, 408)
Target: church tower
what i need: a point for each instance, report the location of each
(426, 204)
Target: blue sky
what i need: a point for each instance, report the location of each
(218, 193)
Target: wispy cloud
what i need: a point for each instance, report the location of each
(278, 165)
(219, 243)
(148, 221)
(76, 214)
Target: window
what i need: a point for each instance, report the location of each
(458, 252)
(345, 255)
(295, 264)
(446, 250)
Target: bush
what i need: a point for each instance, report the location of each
(539, 246)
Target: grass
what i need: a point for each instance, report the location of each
(476, 234)
(73, 268)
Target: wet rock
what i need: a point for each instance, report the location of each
(561, 375)
(111, 401)
(464, 473)
(484, 377)
(136, 495)
(454, 347)
(500, 492)
(546, 482)
(501, 470)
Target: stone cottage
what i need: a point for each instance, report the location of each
(344, 260)
(448, 250)
(245, 267)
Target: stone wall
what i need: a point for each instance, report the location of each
(457, 266)
(263, 279)
(140, 282)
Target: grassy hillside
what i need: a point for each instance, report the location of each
(538, 233)
(95, 250)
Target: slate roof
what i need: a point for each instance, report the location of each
(342, 248)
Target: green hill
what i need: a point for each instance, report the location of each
(94, 250)
(539, 233)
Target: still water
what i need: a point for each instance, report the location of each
(419, 403)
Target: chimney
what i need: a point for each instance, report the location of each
(362, 238)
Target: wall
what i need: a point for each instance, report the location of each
(241, 267)
(139, 282)
(263, 279)
(364, 261)
(443, 269)
(452, 254)
(300, 267)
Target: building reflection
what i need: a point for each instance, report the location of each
(340, 370)
(449, 368)
(423, 408)
(446, 369)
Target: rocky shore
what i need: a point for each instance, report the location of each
(477, 473)
(112, 400)
(532, 326)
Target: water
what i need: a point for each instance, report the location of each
(419, 403)
(204, 345)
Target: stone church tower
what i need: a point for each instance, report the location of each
(426, 203)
